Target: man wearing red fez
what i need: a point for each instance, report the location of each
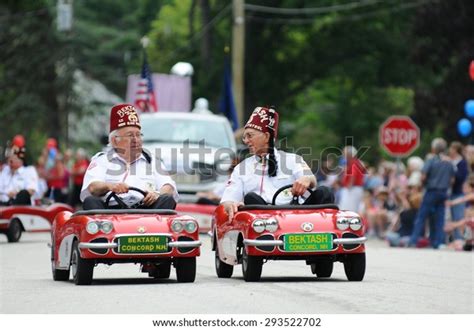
(18, 182)
(256, 179)
(127, 165)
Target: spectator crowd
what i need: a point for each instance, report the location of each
(427, 202)
(53, 177)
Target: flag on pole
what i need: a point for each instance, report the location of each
(226, 104)
(145, 99)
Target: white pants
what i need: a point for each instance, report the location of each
(351, 198)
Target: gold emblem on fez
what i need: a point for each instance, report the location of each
(141, 229)
(132, 117)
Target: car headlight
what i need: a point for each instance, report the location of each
(177, 226)
(258, 226)
(342, 223)
(92, 228)
(271, 225)
(106, 227)
(190, 227)
(355, 223)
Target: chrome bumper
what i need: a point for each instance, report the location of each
(176, 244)
(184, 244)
(97, 245)
(338, 241)
(358, 240)
(257, 242)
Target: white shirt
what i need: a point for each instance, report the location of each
(251, 175)
(111, 168)
(24, 178)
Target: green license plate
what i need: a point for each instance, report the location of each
(308, 242)
(142, 244)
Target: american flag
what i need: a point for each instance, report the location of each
(146, 100)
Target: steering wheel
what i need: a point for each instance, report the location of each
(294, 200)
(120, 201)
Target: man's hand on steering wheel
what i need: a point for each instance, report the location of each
(119, 188)
(150, 198)
(300, 186)
(120, 202)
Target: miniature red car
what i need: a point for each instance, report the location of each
(18, 218)
(156, 239)
(317, 234)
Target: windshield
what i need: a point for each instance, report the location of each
(173, 130)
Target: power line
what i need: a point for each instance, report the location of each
(394, 9)
(316, 10)
(355, 17)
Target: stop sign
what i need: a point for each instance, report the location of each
(399, 136)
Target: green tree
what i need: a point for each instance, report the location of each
(30, 65)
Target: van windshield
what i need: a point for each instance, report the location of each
(173, 130)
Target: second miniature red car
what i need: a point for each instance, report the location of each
(320, 235)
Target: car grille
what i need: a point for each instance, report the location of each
(185, 249)
(350, 246)
(265, 248)
(99, 240)
(206, 172)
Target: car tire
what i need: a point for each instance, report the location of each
(323, 268)
(185, 269)
(82, 269)
(58, 274)
(251, 267)
(354, 266)
(14, 231)
(223, 270)
(162, 270)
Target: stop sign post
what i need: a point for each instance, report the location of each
(399, 136)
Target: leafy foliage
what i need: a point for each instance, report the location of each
(28, 76)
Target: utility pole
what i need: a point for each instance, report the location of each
(238, 56)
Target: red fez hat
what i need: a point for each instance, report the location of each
(264, 120)
(18, 140)
(51, 143)
(122, 115)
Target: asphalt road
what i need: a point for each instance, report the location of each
(396, 281)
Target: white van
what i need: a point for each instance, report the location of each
(197, 149)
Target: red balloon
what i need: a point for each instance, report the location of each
(471, 70)
(18, 140)
(51, 143)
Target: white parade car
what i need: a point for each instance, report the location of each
(197, 149)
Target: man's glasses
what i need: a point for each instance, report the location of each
(130, 136)
(249, 136)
